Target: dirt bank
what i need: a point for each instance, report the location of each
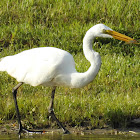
(10, 127)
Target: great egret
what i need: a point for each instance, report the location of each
(49, 66)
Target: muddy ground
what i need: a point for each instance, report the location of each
(11, 127)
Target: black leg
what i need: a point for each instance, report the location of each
(51, 112)
(14, 91)
(21, 129)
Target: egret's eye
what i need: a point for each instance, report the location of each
(104, 31)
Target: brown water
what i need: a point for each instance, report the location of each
(55, 136)
(76, 134)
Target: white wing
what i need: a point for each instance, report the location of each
(39, 65)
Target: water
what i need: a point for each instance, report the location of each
(76, 134)
(69, 137)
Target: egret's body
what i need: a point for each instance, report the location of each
(35, 67)
(50, 66)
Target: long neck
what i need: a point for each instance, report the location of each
(82, 79)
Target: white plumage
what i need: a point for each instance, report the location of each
(35, 67)
(51, 66)
(43, 66)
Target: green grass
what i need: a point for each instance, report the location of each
(111, 99)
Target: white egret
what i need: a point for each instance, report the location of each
(49, 66)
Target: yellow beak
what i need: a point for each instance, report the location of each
(120, 36)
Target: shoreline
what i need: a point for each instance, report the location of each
(10, 127)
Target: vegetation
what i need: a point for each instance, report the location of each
(113, 98)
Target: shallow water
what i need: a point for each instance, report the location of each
(76, 134)
(69, 137)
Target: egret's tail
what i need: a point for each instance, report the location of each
(1, 69)
(2, 65)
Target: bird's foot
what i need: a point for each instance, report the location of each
(26, 131)
(23, 130)
(66, 131)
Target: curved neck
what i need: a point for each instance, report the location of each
(82, 79)
(87, 47)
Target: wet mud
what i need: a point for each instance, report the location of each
(12, 128)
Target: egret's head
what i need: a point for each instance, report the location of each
(101, 30)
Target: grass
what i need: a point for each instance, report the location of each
(111, 99)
